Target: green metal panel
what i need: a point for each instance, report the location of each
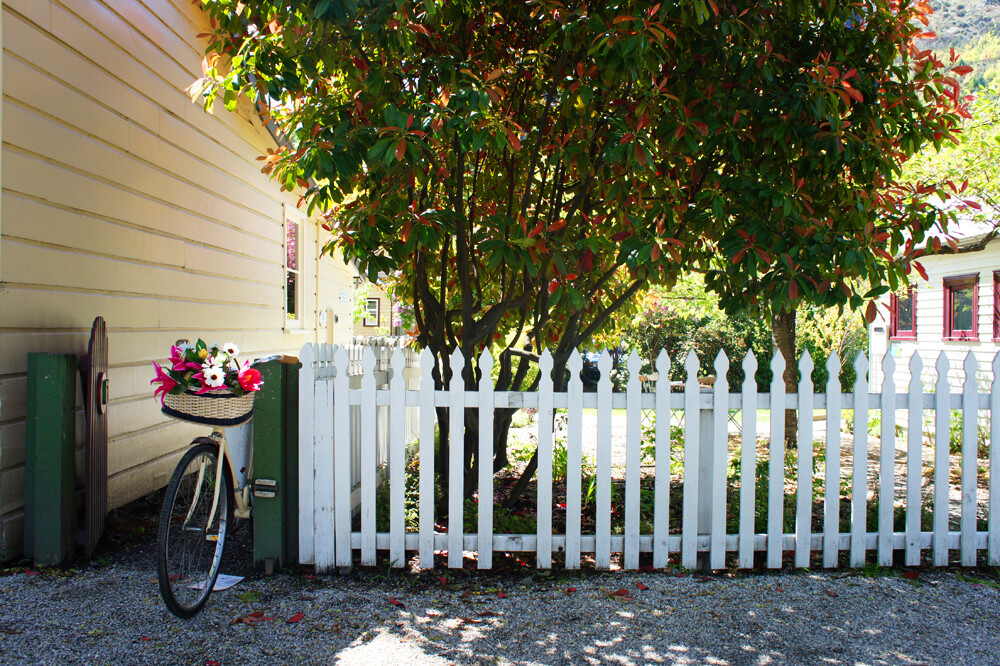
(50, 437)
(275, 435)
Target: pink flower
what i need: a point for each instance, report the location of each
(177, 358)
(250, 379)
(165, 381)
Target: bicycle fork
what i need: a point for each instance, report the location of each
(215, 494)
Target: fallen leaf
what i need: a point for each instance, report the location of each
(30, 572)
(465, 595)
(251, 618)
(443, 581)
(471, 620)
(620, 593)
(145, 638)
(487, 614)
(397, 602)
(912, 575)
(501, 595)
(641, 586)
(295, 618)
(779, 589)
(212, 662)
(831, 593)
(570, 590)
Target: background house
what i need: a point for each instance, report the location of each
(957, 310)
(123, 199)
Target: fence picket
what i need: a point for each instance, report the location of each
(748, 462)
(804, 499)
(914, 460)
(859, 491)
(602, 554)
(692, 437)
(369, 452)
(661, 498)
(633, 437)
(544, 474)
(574, 460)
(993, 535)
(887, 459)
(456, 454)
(485, 505)
(720, 460)
(942, 428)
(970, 456)
(397, 460)
(323, 521)
(831, 498)
(338, 361)
(776, 465)
(307, 463)
(426, 494)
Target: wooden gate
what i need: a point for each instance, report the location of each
(94, 377)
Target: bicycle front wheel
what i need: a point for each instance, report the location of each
(189, 547)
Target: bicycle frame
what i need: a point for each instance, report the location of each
(240, 495)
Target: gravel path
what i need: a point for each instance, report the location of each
(113, 614)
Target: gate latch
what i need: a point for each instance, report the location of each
(265, 488)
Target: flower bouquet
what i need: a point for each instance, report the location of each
(206, 384)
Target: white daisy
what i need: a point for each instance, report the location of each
(231, 348)
(214, 376)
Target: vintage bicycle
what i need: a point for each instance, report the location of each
(209, 488)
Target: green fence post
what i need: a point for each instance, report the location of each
(275, 464)
(49, 466)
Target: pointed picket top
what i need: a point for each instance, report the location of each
(575, 364)
(307, 355)
(833, 365)
(397, 362)
(368, 360)
(749, 364)
(692, 364)
(604, 364)
(426, 361)
(457, 365)
(545, 365)
(971, 366)
(806, 365)
(888, 365)
(721, 365)
(861, 365)
(485, 366)
(916, 365)
(634, 364)
(663, 364)
(942, 365)
(340, 359)
(778, 364)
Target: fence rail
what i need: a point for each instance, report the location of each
(344, 433)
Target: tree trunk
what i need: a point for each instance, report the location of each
(783, 330)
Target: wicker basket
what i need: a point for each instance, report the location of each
(217, 408)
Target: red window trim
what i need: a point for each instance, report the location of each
(894, 332)
(950, 284)
(996, 306)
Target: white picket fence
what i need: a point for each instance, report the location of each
(333, 439)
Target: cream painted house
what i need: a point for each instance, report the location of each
(955, 311)
(123, 199)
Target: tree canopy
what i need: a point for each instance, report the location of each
(528, 167)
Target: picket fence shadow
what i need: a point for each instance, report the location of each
(341, 465)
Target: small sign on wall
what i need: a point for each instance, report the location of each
(345, 297)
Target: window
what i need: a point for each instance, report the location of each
(903, 315)
(292, 275)
(961, 303)
(372, 312)
(996, 306)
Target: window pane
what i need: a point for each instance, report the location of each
(292, 245)
(372, 317)
(291, 280)
(904, 313)
(961, 309)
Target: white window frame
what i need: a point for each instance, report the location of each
(294, 323)
(368, 311)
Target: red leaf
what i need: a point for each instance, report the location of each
(912, 575)
(31, 572)
(295, 618)
(470, 619)
(501, 595)
(870, 312)
(515, 143)
(570, 590)
(680, 132)
(397, 602)
(793, 290)
(443, 581)
(655, 253)
(641, 586)
(487, 614)
(739, 256)
(145, 638)
(831, 593)
(400, 149)
(701, 127)
(621, 235)
(920, 269)
(212, 662)
(620, 593)
(961, 70)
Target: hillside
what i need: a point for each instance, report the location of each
(962, 22)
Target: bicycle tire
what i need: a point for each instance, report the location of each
(186, 569)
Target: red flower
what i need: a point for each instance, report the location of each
(165, 381)
(250, 379)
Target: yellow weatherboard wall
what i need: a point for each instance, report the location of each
(123, 199)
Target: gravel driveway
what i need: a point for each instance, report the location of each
(113, 615)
